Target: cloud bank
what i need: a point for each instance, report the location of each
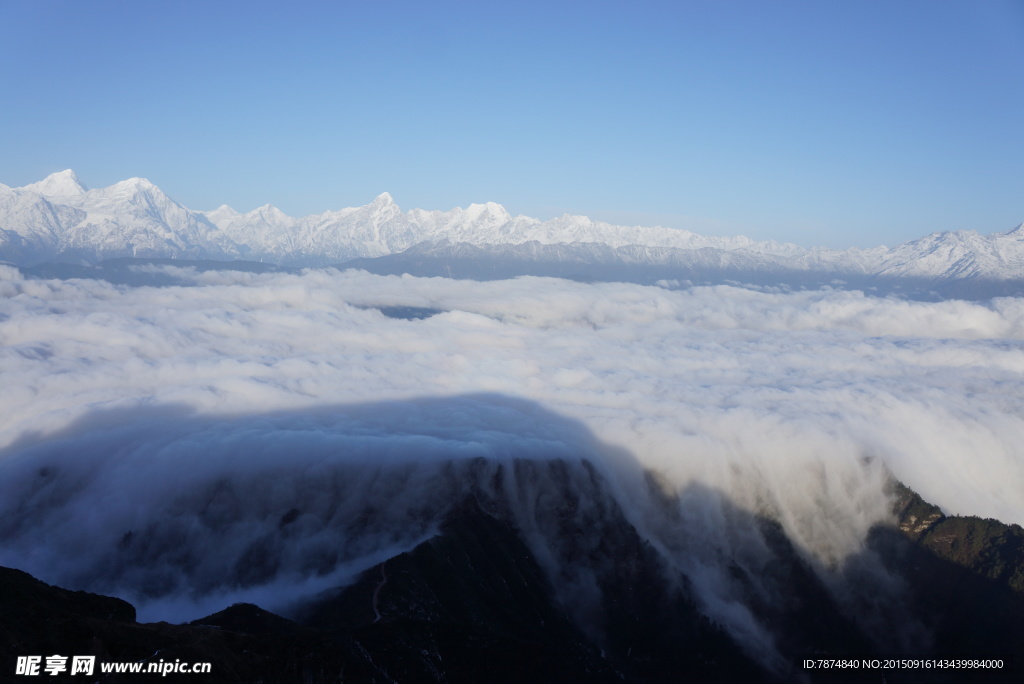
(243, 389)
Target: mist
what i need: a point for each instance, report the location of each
(194, 430)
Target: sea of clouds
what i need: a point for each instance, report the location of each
(184, 423)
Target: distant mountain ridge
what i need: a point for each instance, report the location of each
(59, 219)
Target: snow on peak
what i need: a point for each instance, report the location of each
(127, 188)
(136, 215)
(61, 184)
(1016, 233)
(222, 215)
(492, 209)
(268, 212)
(135, 182)
(383, 208)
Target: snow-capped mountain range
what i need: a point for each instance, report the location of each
(59, 219)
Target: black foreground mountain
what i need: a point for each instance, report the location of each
(472, 604)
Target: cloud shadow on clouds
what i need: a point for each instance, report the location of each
(183, 513)
(160, 500)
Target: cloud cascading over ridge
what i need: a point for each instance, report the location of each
(929, 387)
(791, 404)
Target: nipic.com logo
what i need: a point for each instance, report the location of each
(38, 666)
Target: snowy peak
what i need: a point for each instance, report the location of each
(383, 210)
(132, 185)
(268, 210)
(267, 215)
(384, 207)
(61, 184)
(956, 254)
(1014, 233)
(491, 211)
(57, 218)
(221, 214)
(135, 197)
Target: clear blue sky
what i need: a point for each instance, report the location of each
(836, 123)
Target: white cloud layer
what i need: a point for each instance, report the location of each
(788, 403)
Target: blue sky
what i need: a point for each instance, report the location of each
(840, 124)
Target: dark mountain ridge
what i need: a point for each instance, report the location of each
(464, 539)
(472, 603)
